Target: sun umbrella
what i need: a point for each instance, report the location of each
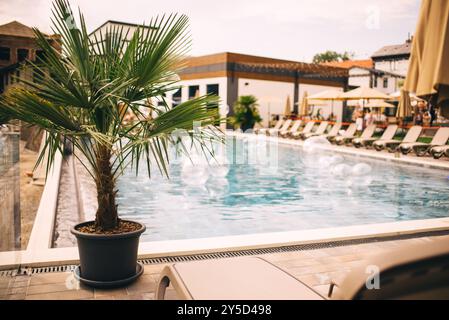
(428, 71)
(304, 105)
(364, 93)
(328, 95)
(405, 106)
(379, 104)
(288, 107)
(396, 96)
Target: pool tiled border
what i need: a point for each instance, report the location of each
(39, 253)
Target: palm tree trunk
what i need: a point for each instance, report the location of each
(106, 216)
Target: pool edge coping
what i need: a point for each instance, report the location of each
(40, 253)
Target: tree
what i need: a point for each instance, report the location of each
(331, 56)
(246, 114)
(83, 97)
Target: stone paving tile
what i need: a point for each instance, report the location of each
(110, 292)
(145, 284)
(138, 296)
(62, 295)
(49, 278)
(53, 287)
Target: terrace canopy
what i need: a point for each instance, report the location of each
(428, 74)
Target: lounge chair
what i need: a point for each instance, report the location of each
(319, 131)
(388, 134)
(307, 129)
(284, 128)
(346, 139)
(392, 145)
(333, 132)
(421, 149)
(439, 151)
(350, 131)
(265, 130)
(295, 127)
(416, 271)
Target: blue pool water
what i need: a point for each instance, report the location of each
(302, 189)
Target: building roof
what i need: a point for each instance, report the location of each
(368, 63)
(229, 64)
(395, 50)
(379, 72)
(128, 24)
(16, 29)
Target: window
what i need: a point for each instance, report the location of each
(385, 82)
(22, 54)
(17, 76)
(40, 55)
(375, 82)
(194, 91)
(38, 75)
(176, 98)
(5, 53)
(212, 89)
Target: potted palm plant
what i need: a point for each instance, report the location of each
(246, 114)
(82, 97)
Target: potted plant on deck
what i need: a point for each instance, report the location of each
(83, 97)
(246, 114)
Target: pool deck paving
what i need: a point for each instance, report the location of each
(316, 268)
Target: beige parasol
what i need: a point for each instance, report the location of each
(429, 64)
(288, 107)
(304, 105)
(379, 104)
(405, 105)
(364, 93)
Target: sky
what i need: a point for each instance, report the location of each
(284, 29)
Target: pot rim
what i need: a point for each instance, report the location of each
(132, 234)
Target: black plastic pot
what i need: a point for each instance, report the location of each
(108, 260)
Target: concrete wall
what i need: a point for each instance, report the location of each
(395, 66)
(9, 192)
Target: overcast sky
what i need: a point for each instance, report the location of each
(287, 29)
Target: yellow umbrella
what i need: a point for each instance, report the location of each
(328, 95)
(405, 105)
(379, 104)
(364, 93)
(429, 64)
(288, 107)
(304, 105)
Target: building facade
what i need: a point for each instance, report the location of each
(394, 59)
(17, 46)
(271, 81)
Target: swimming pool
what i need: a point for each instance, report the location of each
(296, 189)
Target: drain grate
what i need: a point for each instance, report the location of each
(240, 253)
(8, 273)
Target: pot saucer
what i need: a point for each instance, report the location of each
(109, 284)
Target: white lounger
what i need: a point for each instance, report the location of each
(319, 131)
(388, 135)
(349, 132)
(367, 133)
(421, 149)
(307, 129)
(392, 145)
(413, 271)
(295, 127)
(284, 127)
(265, 130)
